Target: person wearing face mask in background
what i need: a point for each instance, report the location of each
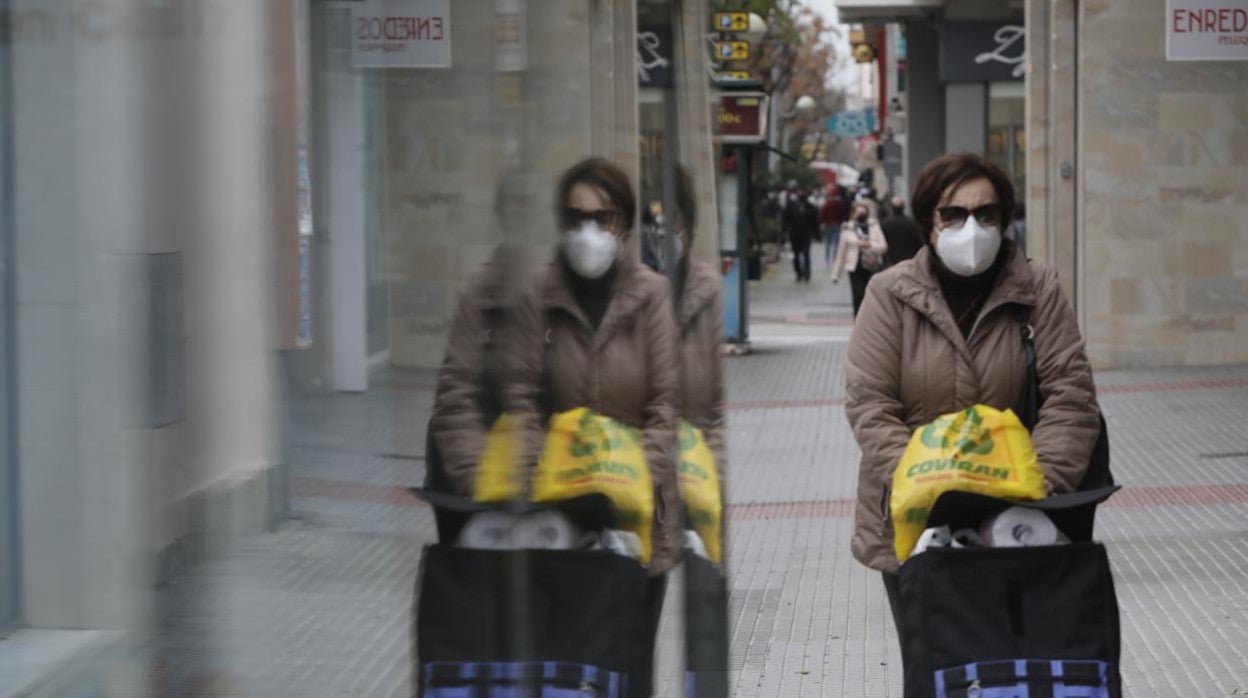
(861, 252)
(652, 233)
(943, 331)
(597, 329)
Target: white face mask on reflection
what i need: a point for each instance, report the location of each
(590, 250)
(968, 250)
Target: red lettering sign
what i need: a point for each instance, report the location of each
(1224, 20)
(399, 28)
(401, 33)
(740, 118)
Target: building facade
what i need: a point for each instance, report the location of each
(147, 169)
(409, 162)
(1139, 177)
(1131, 164)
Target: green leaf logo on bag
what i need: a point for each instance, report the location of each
(688, 437)
(971, 438)
(978, 449)
(588, 453)
(595, 438)
(693, 469)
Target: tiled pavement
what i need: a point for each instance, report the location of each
(321, 607)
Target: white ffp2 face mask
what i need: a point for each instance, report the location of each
(968, 250)
(590, 250)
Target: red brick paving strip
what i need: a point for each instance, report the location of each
(1227, 384)
(781, 404)
(1142, 496)
(1146, 496)
(1176, 387)
(352, 491)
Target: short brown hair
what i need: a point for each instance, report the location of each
(953, 170)
(605, 176)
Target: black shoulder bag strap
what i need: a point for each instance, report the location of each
(1029, 405)
(1098, 474)
(545, 402)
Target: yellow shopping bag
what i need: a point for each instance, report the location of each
(698, 480)
(980, 449)
(587, 453)
(499, 476)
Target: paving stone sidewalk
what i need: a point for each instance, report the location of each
(322, 606)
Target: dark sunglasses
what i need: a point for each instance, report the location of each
(955, 216)
(574, 217)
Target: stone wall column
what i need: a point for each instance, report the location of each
(613, 85)
(1063, 155)
(697, 147)
(1039, 166)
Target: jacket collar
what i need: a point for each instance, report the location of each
(918, 287)
(627, 294)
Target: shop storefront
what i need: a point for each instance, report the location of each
(982, 69)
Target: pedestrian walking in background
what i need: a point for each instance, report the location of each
(652, 230)
(597, 329)
(800, 224)
(901, 232)
(831, 216)
(944, 331)
(861, 252)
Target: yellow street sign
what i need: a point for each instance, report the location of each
(864, 53)
(732, 21)
(732, 50)
(734, 75)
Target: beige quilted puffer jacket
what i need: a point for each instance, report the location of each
(908, 363)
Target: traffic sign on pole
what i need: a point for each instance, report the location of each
(732, 50)
(732, 21)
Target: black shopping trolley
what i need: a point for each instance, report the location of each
(1034, 622)
(531, 623)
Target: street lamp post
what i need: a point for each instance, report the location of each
(801, 104)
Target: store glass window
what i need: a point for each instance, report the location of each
(651, 117)
(1007, 135)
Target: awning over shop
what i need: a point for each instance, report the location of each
(884, 10)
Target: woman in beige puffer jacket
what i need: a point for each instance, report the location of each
(597, 329)
(943, 331)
